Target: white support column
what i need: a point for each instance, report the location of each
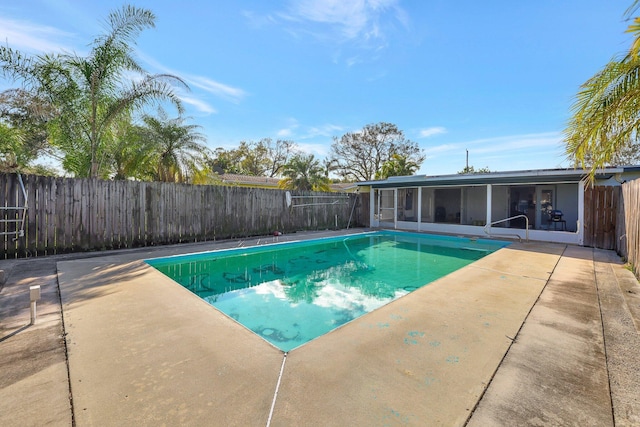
(419, 216)
(489, 197)
(372, 207)
(395, 208)
(462, 210)
(580, 225)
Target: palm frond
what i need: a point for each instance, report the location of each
(605, 114)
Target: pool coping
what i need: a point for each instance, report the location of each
(129, 364)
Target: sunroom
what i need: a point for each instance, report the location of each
(544, 205)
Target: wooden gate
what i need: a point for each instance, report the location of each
(600, 216)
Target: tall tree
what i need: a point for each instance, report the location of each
(23, 133)
(254, 159)
(11, 143)
(225, 161)
(179, 147)
(262, 158)
(360, 155)
(472, 170)
(92, 92)
(278, 154)
(305, 173)
(605, 123)
(24, 119)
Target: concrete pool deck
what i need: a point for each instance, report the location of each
(534, 334)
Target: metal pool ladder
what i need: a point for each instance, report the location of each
(18, 217)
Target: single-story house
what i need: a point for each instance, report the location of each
(249, 180)
(544, 205)
(269, 182)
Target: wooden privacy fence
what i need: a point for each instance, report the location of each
(628, 234)
(68, 215)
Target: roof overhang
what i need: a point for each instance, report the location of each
(544, 176)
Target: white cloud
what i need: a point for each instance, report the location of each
(350, 26)
(284, 133)
(26, 36)
(362, 21)
(443, 148)
(305, 133)
(354, 60)
(200, 105)
(289, 129)
(426, 133)
(351, 17)
(306, 137)
(328, 130)
(206, 84)
(516, 142)
(320, 150)
(256, 20)
(501, 143)
(512, 152)
(216, 88)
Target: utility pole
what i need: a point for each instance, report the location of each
(467, 168)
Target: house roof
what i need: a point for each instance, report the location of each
(265, 181)
(539, 176)
(268, 182)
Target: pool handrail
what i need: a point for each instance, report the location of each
(358, 262)
(506, 234)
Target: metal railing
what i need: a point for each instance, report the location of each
(19, 222)
(337, 199)
(509, 234)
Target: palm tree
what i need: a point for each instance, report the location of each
(397, 165)
(92, 92)
(178, 147)
(605, 120)
(132, 153)
(329, 166)
(304, 173)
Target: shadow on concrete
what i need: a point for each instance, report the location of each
(17, 331)
(99, 281)
(27, 351)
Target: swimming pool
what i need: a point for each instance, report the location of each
(291, 293)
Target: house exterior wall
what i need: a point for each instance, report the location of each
(499, 203)
(427, 209)
(463, 204)
(474, 205)
(567, 202)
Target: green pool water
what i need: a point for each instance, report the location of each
(291, 293)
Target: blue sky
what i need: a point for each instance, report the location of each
(496, 78)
